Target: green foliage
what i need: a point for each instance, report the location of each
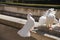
(35, 5)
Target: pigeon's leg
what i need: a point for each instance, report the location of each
(50, 26)
(47, 24)
(33, 30)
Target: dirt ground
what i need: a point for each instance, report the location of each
(9, 33)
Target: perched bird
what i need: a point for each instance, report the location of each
(25, 31)
(50, 18)
(56, 27)
(42, 19)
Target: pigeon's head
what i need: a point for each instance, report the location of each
(30, 14)
(51, 9)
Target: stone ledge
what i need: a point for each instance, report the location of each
(9, 33)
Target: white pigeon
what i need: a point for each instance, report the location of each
(25, 31)
(42, 19)
(56, 27)
(50, 18)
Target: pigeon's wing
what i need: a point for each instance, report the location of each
(55, 20)
(46, 13)
(54, 12)
(59, 20)
(42, 20)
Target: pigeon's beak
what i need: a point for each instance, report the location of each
(30, 14)
(51, 9)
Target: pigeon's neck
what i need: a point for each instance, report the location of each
(28, 16)
(47, 13)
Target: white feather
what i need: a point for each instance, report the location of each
(25, 31)
(42, 19)
(55, 20)
(50, 18)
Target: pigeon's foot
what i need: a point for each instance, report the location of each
(34, 30)
(50, 28)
